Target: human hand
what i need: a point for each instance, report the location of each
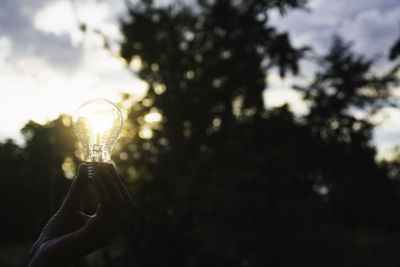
(70, 233)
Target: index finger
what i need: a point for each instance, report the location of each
(122, 187)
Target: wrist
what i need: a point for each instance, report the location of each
(39, 258)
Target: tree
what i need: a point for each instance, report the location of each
(225, 182)
(395, 50)
(343, 86)
(206, 69)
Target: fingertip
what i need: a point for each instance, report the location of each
(102, 166)
(82, 169)
(81, 173)
(109, 165)
(106, 169)
(112, 170)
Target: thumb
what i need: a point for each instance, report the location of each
(77, 191)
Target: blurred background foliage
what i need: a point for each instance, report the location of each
(218, 179)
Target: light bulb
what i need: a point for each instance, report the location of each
(98, 124)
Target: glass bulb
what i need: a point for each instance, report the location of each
(98, 124)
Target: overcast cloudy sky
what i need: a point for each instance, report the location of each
(47, 66)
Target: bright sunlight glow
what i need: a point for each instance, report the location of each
(101, 122)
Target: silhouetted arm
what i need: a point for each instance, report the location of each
(70, 233)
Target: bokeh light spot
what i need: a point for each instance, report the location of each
(69, 168)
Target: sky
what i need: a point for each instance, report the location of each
(48, 66)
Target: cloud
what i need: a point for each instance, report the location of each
(372, 25)
(373, 31)
(17, 25)
(57, 17)
(387, 133)
(45, 71)
(5, 49)
(280, 92)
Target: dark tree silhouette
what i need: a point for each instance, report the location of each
(395, 50)
(229, 183)
(345, 157)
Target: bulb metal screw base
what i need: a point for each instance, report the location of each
(91, 168)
